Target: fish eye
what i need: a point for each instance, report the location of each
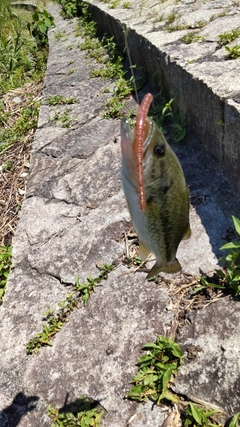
(159, 150)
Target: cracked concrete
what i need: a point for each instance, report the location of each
(75, 216)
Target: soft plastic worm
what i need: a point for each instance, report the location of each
(139, 141)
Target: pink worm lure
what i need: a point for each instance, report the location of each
(138, 145)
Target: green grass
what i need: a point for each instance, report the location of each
(233, 52)
(26, 121)
(63, 118)
(156, 370)
(55, 321)
(192, 37)
(21, 60)
(60, 100)
(228, 278)
(5, 267)
(229, 36)
(78, 414)
(110, 62)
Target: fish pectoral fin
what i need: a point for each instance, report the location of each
(172, 267)
(143, 251)
(188, 233)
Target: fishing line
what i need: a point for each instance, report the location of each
(130, 62)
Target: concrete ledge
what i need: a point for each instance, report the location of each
(206, 85)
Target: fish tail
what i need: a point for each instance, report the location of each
(172, 267)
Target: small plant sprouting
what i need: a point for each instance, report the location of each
(198, 416)
(63, 118)
(60, 100)
(167, 111)
(226, 38)
(229, 275)
(59, 35)
(113, 4)
(231, 262)
(79, 414)
(192, 37)
(54, 322)
(71, 71)
(172, 18)
(233, 52)
(156, 370)
(126, 5)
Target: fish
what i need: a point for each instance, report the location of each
(155, 189)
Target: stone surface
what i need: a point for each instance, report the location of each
(217, 338)
(75, 216)
(197, 73)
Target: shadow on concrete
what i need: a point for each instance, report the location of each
(81, 404)
(21, 404)
(211, 194)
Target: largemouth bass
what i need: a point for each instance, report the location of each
(155, 189)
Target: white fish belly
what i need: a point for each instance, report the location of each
(140, 220)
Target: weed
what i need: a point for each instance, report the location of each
(59, 35)
(226, 38)
(41, 22)
(204, 284)
(156, 370)
(200, 24)
(231, 261)
(8, 166)
(198, 416)
(229, 277)
(115, 104)
(55, 322)
(166, 112)
(63, 118)
(172, 24)
(126, 5)
(114, 4)
(233, 52)
(71, 71)
(219, 15)
(69, 8)
(235, 419)
(113, 108)
(105, 51)
(80, 414)
(20, 59)
(171, 18)
(133, 261)
(5, 267)
(26, 121)
(60, 100)
(158, 18)
(192, 37)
